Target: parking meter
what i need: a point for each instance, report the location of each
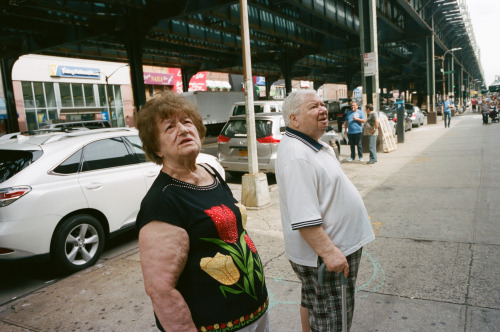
(400, 124)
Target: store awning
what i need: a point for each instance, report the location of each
(218, 85)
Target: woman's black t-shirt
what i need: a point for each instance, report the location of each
(223, 280)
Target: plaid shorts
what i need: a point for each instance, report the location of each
(324, 302)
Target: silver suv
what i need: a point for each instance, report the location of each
(260, 106)
(270, 127)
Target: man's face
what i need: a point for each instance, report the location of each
(312, 119)
(354, 106)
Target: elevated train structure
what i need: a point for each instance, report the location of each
(315, 40)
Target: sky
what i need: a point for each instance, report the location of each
(485, 18)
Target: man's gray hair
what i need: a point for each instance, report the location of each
(293, 103)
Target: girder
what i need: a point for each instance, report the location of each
(322, 35)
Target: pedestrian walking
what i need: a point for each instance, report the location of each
(200, 267)
(447, 106)
(474, 103)
(323, 215)
(370, 130)
(353, 127)
(485, 111)
(493, 111)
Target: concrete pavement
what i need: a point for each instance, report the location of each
(434, 204)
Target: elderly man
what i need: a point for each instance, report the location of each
(323, 215)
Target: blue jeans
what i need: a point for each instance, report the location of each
(372, 146)
(447, 115)
(355, 140)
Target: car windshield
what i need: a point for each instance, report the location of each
(14, 161)
(238, 128)
(240, 109)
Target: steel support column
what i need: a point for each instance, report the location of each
(431, 81)
(460, 82)
(10, 103)
(134, 36)
(369, 44)
(286, 67)
(186, 74)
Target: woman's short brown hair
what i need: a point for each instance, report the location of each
(160, 108)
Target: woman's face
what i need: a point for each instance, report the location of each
(178, 139)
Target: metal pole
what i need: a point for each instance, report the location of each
(110, 112)
(254, 188)
(444, 88)
(247, 74)
(109, 103)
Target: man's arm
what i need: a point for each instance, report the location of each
(362, 119)
(376, 125)
(333, 258)
(164, 249)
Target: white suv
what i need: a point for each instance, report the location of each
(64, 194)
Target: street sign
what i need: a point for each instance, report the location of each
(370, 63)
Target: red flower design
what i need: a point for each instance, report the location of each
(250, 244)
(210, 328)
(236, 322)
(247, 317)
(225, 222)
(223, 325)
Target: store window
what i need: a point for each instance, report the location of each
(103, 101)
(66, 97)
(78, 101)
(88, 90)
(39, 103)
(77, 95)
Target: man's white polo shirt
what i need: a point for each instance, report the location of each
(314, 190)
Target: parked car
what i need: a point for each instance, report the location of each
(65, 194)
(232, 142)
(260, 106)
(333, 107)
(416, 116)
(391, 113)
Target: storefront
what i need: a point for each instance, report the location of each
(51, 89)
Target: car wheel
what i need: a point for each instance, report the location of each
(77, 243)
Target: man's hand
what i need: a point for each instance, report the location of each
(333, 258)
(335, 261)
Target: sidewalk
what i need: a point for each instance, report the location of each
(435, 265)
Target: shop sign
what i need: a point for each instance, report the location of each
(198, 82)
(158, 78)
(261, 80)
(78, 72)
(370, 64)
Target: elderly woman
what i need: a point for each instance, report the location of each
(200, 267)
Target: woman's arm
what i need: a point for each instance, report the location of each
(164, 249)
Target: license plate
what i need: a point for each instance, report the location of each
(243, 153)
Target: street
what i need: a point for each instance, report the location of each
(434, 205)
